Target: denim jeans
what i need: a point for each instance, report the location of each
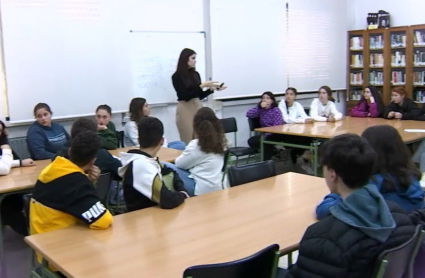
(177, 145)
(184, 175)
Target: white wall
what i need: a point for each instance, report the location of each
(407, 12)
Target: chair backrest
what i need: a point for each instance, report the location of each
(262, 264)
(253, 123)
(251, 172)
(229, 125)
(398, 262)
(307, 110)
(102, 185)
(226, 160)
(120, 136)
(27, 200)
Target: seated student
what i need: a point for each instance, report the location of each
(44, 137)
(64, 195)
(104, 160)
(139, 109)
(147, 182)
(370, 105)
(200, 164)
(394, 174)
(105, 128)
(400, 107)
(323, 109)
(269, 115)
(12, 205)
(361, 226)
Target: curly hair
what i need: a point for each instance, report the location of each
(209, 131)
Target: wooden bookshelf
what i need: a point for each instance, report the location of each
(391, 57)
(355, 66)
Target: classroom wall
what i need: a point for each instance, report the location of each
(408, 12)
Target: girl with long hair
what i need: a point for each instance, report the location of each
(323, 109)
(370, 105)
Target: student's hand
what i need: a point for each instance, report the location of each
(27, 162)
(209, 84)
(368, 114)
(391, 115)
(101, 127)
(398, 115)
(309, 121)
(93, 173)
(185, 193)
(264, 105)
(331, 119)
(372, 99)
(5, 147)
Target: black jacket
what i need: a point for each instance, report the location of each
(189, 91)
(331, 248)
(408, 109)
(419, 113)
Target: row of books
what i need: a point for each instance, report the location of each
(356, 43)
(376, 60)
(398, 78)
(356, 60)
(398, 40)
(419, 78)
(419, 58)
(376, 42)
(419, 96)
(419, 38)
(356, 94)
(376, 78)
(398, 59)
(356, 78)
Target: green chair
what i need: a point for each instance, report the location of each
(262, 264)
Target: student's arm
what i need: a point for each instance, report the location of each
(276, 116)
(314, 113)
(108, 164)
(6, 161)
(373, 110)
(337, 115)
(323, 209)
(36, 147)
(389, 108)
(254, 112)
(356, 112)
(189, 157)
(408, 115)
(108, 139)
(177, 182)
(131, 131)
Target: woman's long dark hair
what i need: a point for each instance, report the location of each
(136, 109)
(378, 99)
(189, 75)
(393, 157)
(270, 94)
(328, 91)
(209, 131)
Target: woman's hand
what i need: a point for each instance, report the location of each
(221, 88)
(264, 105)
(398, 115)
(331, 119)
(209, 84)
(101, 127)
(391, 115)
(372, 99)
(309, 120)
(27, 162)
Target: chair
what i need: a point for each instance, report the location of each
(102, 186)
(120, 136)
(307, 111)
(230, 126)
(252, 172)
(253, 124)
(398, 262)
(262, 264)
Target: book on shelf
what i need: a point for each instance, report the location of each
(356, 94)
(419, 58)
(376, 78)
(398, 78)
(419, 96)
(398, 40)
(376, 42)
(356, 61)
(419, 78)
(356, 78)
(398, 59)
(419, 38)
(376, 60)
(356, 43)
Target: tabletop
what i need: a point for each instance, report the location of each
(217, 227)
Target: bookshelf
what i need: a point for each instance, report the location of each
(386, 58)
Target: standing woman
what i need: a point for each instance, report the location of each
(190, 92)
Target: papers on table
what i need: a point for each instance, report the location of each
(415, 130)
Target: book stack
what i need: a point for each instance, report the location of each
(376, 78)
(376, 60)
(356, 43)
(356, 94)
(376, 42)
(398, 59)
(356, 78)
(419, 58)
(419, 38)
(356, 60)
(398, 40)
(419, 78)
(398, 78)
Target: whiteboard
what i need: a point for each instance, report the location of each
(76, 55)
(153, 64)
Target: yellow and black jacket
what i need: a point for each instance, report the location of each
(63, 196)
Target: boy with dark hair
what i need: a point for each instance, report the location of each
(147, 182)
(348, 241)
(104, 160)
(64, 195)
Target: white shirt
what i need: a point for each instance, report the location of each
(7, 162)
(131, 135)
(320, 112)
(205, 168)
(294, 114)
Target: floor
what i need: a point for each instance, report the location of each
(18, 254)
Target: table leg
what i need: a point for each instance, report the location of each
(262, 147)
(315, 163)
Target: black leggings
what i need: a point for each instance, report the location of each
(255, 141)
(12, 215)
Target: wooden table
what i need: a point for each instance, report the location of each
(318, 131)
(164, 154)
(217, 227)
